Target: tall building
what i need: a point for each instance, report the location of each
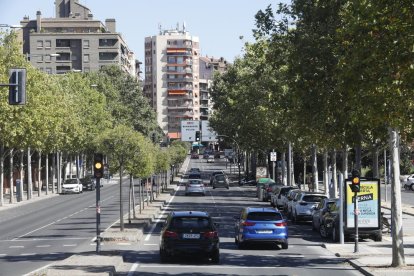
(172, 78)
(74, 41)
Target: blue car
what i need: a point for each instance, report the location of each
(261, 225)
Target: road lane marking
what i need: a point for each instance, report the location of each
(150, 243)
(133, 268)
(28, 254)
(2, 255)
(16, 246)
(69, 245)
(42, 246)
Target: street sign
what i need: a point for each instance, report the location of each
(189, 129)
(273, 156)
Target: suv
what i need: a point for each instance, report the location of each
(72, 185)
(319, 212)
(261, 225)
(190, 233)
(303, 205)
(221, 181)
(214, 174)
(289, 202)
(88, 183)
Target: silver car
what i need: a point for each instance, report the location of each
(72, 185)
(304, 204)
(195, 186)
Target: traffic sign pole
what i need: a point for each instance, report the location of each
(356, 212)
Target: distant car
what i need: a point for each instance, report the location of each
(88, 183)
(210, 159)
(194, 175)
(217, 155)
(214, 173)
(279, 196)
(261, 225)
(195, 186)
(248, 182)
(304, 204)
(190, 233)
(409, 183)
(71, 186)
(320, 211)
(195, 156)
(206, 155)
(195, 170)
(221, 181)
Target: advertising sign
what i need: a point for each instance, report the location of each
(188, 130)
(207, 134)
(369, 205)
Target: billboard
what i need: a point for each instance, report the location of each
(369, 205)
(189, 129)
(207, 134)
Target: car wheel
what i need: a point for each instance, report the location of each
(216, 257)
(412, 187)
(295, 218)
(313, 226)
(377, 238)
(163, 256)
(323, 231)
(335, 235)
(285, 245)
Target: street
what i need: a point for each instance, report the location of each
(305, 256)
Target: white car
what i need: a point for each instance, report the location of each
(71, 186)
(409, 183)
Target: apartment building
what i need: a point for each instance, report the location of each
(74, 41)
(172, 78)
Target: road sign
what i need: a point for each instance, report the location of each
(273, 156)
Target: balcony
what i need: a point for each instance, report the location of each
(178, 107)
(182, 79)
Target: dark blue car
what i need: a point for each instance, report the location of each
(261, 225)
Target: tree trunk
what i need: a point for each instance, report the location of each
(11, 184)
(345, 162)
(54, 155)
(121, 208)
(21, 168)
(2, 174)
(283, 159)
(59, 171)
(375, 170)
(334, 174)
(315, 183)
(358, 162)
(289, 167)
(47, 173)
(29, 175)
(398, 258)
(39, 173)
(326, 183)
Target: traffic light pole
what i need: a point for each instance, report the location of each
(356, 212)
(98, 215)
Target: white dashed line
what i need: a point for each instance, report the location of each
(16, 246)
(69, 245)
(132, 270)
(151, 244)
(45, 245)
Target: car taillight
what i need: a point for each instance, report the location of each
(269, 189)
(248, 223)
(303, 203)
(170, 234)
(280, 224)
(211, 234)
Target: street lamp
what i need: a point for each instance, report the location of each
(238, 153)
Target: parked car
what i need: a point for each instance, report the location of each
(221, 181)
(210, 159)
(190, 233)
(269, 189)
(248, 182)
(303, 205)
(409, 183)
(289, 203)
(206, 155)
(88, 183)
(320, 210)
(261, 225)
(72, 185)
(262, 182)
(279, 196)
(330, 227)
(195, 186)
(195, 170)
(195, 155)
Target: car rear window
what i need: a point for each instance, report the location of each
(195, 176)
(190, 223)
(264, 216)
(312, 198)
(71, 181)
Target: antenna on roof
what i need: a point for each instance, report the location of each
(160, 28)
(184, 26)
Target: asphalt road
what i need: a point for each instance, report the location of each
(305, 256)
(39, 233)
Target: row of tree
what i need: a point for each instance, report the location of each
(324, 76)
(72, 116)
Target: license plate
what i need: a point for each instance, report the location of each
(191, 236)
(264, 231)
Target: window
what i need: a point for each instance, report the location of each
(63, 57)
(40, 44)
(48, 44)
(48, 70)
(86, 58)
(107, 42)
(47, 58)
(86, 44)
(107, 56)
(62, 43)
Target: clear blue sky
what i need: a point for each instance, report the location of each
(217, 23)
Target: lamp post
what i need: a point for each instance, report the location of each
(238, 153)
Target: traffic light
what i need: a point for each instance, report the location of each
(17, 86)
(197, 136)
(355, 181)
(98, 165)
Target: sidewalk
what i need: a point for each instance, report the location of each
(374, 258)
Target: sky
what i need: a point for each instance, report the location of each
(219, 24)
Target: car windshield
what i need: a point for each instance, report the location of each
(190, 223)
(312, 198)
(220, 177)
(264, 216)
(71, 181)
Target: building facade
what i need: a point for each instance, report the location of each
(172, 78)
(74, 41)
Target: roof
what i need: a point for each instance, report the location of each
(189, 214)
(261, 209)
